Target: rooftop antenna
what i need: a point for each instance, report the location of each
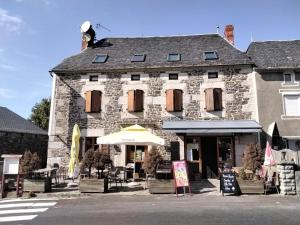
(99, 26)
(218, 28)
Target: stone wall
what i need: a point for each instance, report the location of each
(18, 143)
(70, 103)
(287, 178)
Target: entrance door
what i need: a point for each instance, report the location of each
(209, 157)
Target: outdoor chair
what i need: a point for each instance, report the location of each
(113, 177)
(271, 183)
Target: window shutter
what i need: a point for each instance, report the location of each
(138, 100)
(217, 99)
(170, 100)
(209, 99)
(130, 101)
(96, 101)
(88, 101)
(177, 100)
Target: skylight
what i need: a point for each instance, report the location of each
(173, 57)
(210, 55)
(100, 58)
(138, 58)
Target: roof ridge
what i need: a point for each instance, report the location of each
(162, 36)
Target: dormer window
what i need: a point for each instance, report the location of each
(100, 59)
(210, 55)
(138, 58)
(173, 57)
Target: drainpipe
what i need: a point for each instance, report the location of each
(51, 129)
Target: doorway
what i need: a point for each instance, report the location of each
(209, 157)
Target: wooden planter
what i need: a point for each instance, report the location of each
(160, 186)
(93, 185)
(37, 185)
(250, 186)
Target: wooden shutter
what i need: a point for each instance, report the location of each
(175, 150)
(177, 100)
(88, 101)
(170, 100)
(96, 101)
(209, 99)
(130, 107)
(138, 100)
(217, 99)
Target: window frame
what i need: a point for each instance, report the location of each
(90, 102)
(285, 116)
(135, 75)
(211, 102)
(93, 76)
(174, 78)
(174, 54)
(216, 57)
(293, 81)
(134, 106)
(100, 55)
(172, 97)
(211, 73)
(137, 55)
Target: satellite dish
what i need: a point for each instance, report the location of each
(85, 26)
(86, 37)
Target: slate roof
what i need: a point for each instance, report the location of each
(275, 54)
(121, 50)
(11, 122)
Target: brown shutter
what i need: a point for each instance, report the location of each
(96, 101)
(170, 100)
(138, 100)
(88, 101)
(177, 100)
(130, 101)
(217, 99)
(209, 99)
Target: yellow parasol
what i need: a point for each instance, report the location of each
(74, 152)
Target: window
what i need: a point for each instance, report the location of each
(291, 105)
(173, 57)
(91, 143)
(212, 75)
(94, 78)
(210, 55)
(100, 59)
(135, 101)
(135, 77)
(289, 78)
(138, 58)
(173, 76)
(174, 100)
(213, 99)
(93, 101)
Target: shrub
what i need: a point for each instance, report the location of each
(101, 159)
(88, 161)
(29, 163)
(154, 157)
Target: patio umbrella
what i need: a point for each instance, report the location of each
(132, 135)
(74, 162)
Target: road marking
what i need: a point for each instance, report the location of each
(27, 204)
(17, 218)
(28, 199)
(13, 211)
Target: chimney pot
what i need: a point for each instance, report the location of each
(228, 33)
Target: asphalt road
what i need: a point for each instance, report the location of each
(169, 210)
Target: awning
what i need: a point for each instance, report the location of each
(212, 126)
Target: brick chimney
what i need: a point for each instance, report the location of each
(228, 33)
(84, 44)
(88, 35)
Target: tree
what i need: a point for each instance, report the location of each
(88, 161)
(40, 113)
(151, 161)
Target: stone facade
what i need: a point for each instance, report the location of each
(18, 143)
(69, 103)
(287, 178)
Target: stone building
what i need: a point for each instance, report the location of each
(197, 92)
(277, 74)
(18, 135)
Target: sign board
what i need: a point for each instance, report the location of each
(181, 177)
(11, 166)
(228, 183)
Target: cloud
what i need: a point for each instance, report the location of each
(9, 22)
(7, 93)
(7, 67)
(46, 2)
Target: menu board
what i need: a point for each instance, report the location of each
(180, 174)
(228, 183)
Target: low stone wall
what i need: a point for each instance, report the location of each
(287, 181)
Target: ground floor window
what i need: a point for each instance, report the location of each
(140, 154)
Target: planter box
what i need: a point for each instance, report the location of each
(250, 186)
(160, 186)
(37, 185)
(93, 185)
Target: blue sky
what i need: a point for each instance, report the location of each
(35, 35)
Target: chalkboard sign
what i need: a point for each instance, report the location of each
(228, 183)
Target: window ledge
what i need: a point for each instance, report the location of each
(289, 84)
(284, 117)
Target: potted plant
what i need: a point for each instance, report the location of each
(33, 182)
(98, 160)
(248, 180)
(153, 182)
